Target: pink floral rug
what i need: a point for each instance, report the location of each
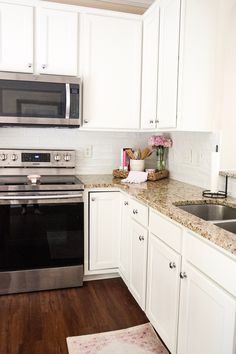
(135, 340)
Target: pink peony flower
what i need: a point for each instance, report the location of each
(159, 140)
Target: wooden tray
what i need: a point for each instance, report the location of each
(153, 176)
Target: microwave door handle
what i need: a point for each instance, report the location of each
(67, 101)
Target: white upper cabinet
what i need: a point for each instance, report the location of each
(57, 42)
(16, 38)
(168, 63)
(150, 67)
(199, 60)
(111, 70)
(160, 65)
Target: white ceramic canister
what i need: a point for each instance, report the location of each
(137, 165)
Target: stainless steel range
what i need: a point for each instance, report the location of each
(41, 221)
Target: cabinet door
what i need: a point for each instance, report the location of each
(207, 316)
(57, 42)
(199, 70)
(138, 268)
(111, 67)
(104, 230)
(124, 259)
(163, 290)
(150, 67)
(16, 38)
(168, 63)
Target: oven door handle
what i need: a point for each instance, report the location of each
(67, 115)
(41, 197)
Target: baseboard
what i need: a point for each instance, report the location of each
(101, 276)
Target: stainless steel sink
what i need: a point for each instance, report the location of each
(210, 212)
(229, 226)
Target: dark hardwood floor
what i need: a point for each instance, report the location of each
(38, 323)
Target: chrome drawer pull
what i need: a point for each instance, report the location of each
(172, 265)
(183, 275)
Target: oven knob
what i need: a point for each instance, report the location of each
(3, 157)
(67, 157)
(57, 157)
(14, 157)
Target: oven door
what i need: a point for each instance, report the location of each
(41, 231)
(33, 100)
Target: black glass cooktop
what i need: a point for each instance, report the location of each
(44, 181)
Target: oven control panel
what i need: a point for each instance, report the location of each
(37, 158)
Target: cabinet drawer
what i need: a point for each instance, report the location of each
(166, 230)
(139, 212)
(211, 261)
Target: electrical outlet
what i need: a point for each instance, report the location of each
(195, 158)
(88, 151)
(187, 157)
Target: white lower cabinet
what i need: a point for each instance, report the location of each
(104, 230)
(207, 316)
(183, 283)
(138, 262)
(124, 258)
(163, 284)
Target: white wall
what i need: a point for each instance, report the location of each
(190, 160)
(105, 145)
(228, 114)
(190, 157)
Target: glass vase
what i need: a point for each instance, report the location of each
(161, 158)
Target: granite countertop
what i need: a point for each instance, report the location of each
(229, 173)
(164, 195)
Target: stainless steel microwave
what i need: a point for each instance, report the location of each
(27, 99)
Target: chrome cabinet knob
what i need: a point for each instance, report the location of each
(183, 275)
(93, 199)
(86, 121)
(3, 157)
(156, 121)
(126, 203)
(141, 238)
(67, 157)
(14, 157)
(172, 265)
(135, 211)
(151, 121)
(30, 65)
(44, 66)
(57, 157)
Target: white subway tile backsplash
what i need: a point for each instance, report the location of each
(105, 145)
(188, 159)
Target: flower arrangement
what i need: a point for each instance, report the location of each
(161, 144)
(159, 140)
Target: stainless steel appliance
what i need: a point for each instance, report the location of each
(41, 221)
(27, 99)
